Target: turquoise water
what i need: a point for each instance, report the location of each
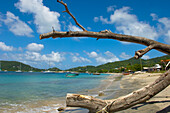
(20, 88)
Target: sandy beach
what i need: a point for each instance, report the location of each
(158, 104)
(116, 85)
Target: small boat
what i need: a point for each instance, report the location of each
(126, 73)
(96, 73)
(19, 71)
(48, 72)
(71, 74)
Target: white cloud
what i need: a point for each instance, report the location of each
(36, 59)
(35, 47)
(165, 21)
(125, 56)
(43, 17)
(154, 16)
(145, 57)
(106, 60)
(163, 27)
(80, 59)
(128, 24)
(109, 54)
(110, 8)
(74, 28)
(17, 26)
(108, 57)
(93, 54)
(96, 19)
(53, 57)
(4, 47)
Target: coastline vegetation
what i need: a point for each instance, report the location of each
(122, 66)
(112, 67)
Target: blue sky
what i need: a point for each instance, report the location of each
(22, 21)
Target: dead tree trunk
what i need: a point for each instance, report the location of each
(136, 97)
(121, 103)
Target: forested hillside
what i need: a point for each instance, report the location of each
(132, 63)
(14, 65)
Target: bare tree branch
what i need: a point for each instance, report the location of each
(109, 35)
(60, 1)
(136, 97)
(140, 53)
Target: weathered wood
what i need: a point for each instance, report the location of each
(165, 48)
(136, 97)
(121, 103)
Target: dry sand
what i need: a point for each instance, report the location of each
(158, 104)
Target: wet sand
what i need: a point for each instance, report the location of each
(116, 85)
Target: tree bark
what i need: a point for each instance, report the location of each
(109, 35)
(97, 105)
(136, 97)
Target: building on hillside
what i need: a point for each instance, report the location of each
(156, 67)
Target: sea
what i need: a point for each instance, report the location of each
(35, 92)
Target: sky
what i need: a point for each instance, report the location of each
(22, 21)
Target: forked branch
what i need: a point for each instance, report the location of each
(65, 5)
(140, 53)
(96, 105)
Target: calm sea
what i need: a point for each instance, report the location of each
(39, 92)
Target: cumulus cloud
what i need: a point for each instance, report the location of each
(107, 57)
(35, 47)
(43, 17)
(165, 21)
(36, 58)
(92, 54)
(17, 26)
(129, 24)
(165, 28)
(80, 59)
(125, 56)
(145, 57)
(4, 47)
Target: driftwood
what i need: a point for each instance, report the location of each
(136, 97)
(121, 103)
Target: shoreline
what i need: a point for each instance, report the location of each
(160, 103)
(114, 85)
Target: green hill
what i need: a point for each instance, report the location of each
(14, 65)
(132, 63)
